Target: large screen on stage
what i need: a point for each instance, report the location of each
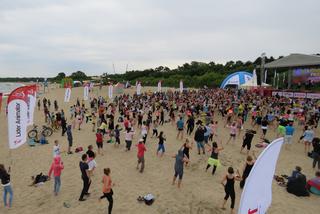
(304, 75)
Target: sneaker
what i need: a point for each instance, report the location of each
(82, 199)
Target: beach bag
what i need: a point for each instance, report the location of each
(148, 199)
(79, 149)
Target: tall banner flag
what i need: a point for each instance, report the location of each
(67, 94)
(181, 86)
(257, 193)
(159, 86)
(0, 101)
(139, 88)
(17, 117)
(110, 91)
(86, 92)
(31, 103)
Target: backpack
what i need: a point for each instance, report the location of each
(148, 199)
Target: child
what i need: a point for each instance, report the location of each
(99, 142)
(140, 155)
(56, 149)
(93, 121)
(56, 168)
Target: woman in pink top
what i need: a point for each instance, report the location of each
(233, 132)
(56, 168)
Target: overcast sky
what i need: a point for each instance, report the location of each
(44, 37)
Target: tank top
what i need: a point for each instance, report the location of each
(214, 154)
(230, 184)
(247, 169)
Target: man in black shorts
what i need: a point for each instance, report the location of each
(247, 139)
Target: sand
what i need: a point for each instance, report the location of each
(200, 193)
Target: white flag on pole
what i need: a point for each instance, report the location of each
(110, 91)
(257, 193)
(67, 95)
(139, 88)
(31, 103)
(159, 86)
(86, 92)
(17, 117)
(181, 86)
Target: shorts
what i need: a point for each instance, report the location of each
(180, 129)
(140, 159)
(214, 162)
(200, 144)
(178, 174)
(288, 139)
(232, 135)
(206, 138)
(161, 147)
(99, 145)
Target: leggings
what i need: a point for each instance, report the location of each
(232, 194)
(213, 170)
(108, 196)
(316, 159)
(190, 129)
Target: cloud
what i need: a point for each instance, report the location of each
(44, 37)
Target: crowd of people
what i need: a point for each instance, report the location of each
(195, 116)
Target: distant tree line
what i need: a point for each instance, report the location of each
(78, 75)
(194, 74)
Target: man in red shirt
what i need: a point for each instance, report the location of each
(141, 150)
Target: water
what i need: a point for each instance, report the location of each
(7, 87)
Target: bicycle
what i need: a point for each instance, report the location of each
(46, 132)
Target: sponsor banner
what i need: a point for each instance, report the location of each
(110, 91)
(67, 95)
(139, 88)
(257, 193)
(287, 94)
(31, 103)
(17, 117)
(181, 86)
(313, 95)
(159, 86)
(274, 93)
(300, 95)
(86, 92)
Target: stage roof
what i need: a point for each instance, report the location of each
(295, 60)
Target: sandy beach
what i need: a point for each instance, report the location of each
(201, 193)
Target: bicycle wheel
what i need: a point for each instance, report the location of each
(32, 134)
(47, 132)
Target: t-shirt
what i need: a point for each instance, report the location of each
(141, 150)
(99, 138)
(289, 130)
(248, 137)
(180, 124)
(129, 136)
(56, 150)
(83, 167)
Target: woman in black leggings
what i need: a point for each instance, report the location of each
(107, 190)
(228, 183)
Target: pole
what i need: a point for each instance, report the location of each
(263, 56)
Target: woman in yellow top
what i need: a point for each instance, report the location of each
(106, 189)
